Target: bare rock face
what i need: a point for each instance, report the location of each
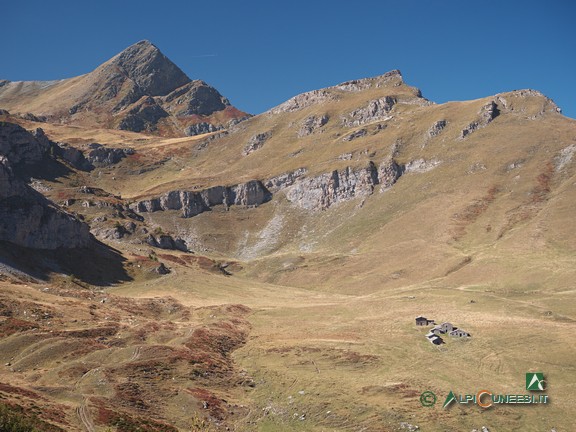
(252, 193)
(139, 70)
(393, 77)
(421, 165)
(73, 156)
(486, 114)
(303, 100)
(256, 143)
(284, 180)
(376, 110)
(437, 128)
(389, 172)
(312, 124)
(22, 147)
(144, 116)
(28, 219)
(197, 98)
(106, 156)
(165, 241)
(325, 190)
(354, 135)
(201, 128)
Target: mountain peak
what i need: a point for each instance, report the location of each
(153, 73)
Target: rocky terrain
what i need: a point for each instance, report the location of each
(170, 263)
(27, 218)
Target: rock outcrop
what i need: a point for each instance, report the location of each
(22, 147)
(165, 241)
(144, 116)
(28, 219)
(527, 102)
(284, 180)
(323, 191)
(201, 128)
(252, 193)
(72, 156)
(421, 165)
(196, 98)
(312, 124)
(437, 128)
(486, 114)
(256, 143)
(393, 77)
(100, 155)
(312, 193)
(376, 110)
(303, 100)
(356, 134)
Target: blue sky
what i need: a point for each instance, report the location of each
(259, 54)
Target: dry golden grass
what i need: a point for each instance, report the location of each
(484, 240)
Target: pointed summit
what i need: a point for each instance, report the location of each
(139, 89)
(152, 72)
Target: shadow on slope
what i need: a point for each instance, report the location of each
(48, 169)
(98, 264)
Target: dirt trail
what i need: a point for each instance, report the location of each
(84, 416)
(135, 354)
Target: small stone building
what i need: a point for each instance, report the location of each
(423, 321)
(459, 333)
(444, 328)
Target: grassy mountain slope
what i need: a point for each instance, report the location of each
(476, 228)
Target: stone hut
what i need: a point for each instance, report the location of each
(423, 321)
(459, 333)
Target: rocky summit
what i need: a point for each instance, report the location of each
(169, 263)
(138, 90)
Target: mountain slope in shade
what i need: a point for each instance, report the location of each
(139, 90)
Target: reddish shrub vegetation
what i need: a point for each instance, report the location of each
(15, 325)
(210, 401)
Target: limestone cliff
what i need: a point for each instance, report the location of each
(27, 218)
(251, 193)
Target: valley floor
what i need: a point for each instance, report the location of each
(323, 361)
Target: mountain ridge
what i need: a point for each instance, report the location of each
(139, 89)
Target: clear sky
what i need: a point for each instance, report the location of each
(260, 53)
